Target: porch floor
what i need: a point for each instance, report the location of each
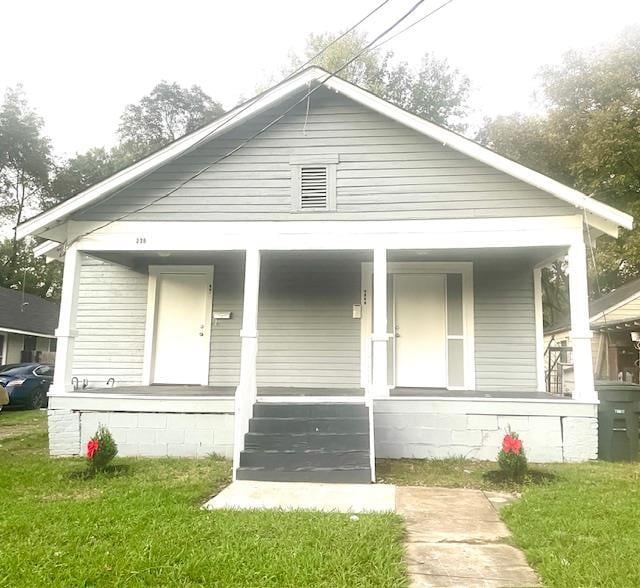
(223, 391)
(267, 391)
(444, 393)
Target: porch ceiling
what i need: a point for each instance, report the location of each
(142, 260)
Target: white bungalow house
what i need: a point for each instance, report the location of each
(313, 280)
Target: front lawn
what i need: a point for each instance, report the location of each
(577, 523)
(142, 525)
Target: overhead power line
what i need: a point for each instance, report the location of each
(413, 24)
(337, 39)
(371, 45)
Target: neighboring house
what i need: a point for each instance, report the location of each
(353, 279)
(614, 320)
(27, 325)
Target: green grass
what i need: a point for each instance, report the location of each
(582, 530)
(456, 472)
(141, 524)
(577, 523)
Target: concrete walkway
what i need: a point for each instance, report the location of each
(347, 498)
(456, 538)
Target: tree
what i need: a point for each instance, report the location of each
(434, 91)
(85, 170)
(25, 158)
(589, 138)
(19, 269)
(167, 113)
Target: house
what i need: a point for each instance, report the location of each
(27, 325)
(615, 323)
(313, 280)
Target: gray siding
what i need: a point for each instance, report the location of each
(386, 171)
(504, 326)
(224, 360)
(307, 336)
(111, 315)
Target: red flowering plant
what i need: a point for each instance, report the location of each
(511, 457)
(101, 449)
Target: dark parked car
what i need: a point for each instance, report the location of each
(26, 383)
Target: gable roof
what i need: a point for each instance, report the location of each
(603, 305)
(600, 215)
(35, 317)
(618, 297)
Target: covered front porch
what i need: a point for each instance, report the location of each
(465, 320)
(437, 336)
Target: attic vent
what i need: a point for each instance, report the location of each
(314, 193)
(313, 187)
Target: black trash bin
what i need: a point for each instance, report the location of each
(618, 416)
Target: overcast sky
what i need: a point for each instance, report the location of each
(81, 62)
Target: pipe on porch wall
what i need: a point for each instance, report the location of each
(581, 334)
(246, 392)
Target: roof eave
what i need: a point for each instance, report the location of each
(483, 154)
(163, 156)
(282, 90)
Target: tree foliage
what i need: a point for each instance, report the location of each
(25, 160)
(84, 170)
(26, 271)
(31, 181)
(166, 114)
(588, 138)
(434, 91)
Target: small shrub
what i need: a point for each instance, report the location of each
(511, 458)
(101, 449)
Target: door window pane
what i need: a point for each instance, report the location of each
(454, 304)
(456, 362)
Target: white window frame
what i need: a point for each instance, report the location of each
(5, 347)
(330, 162)
(465, 268)
(155, 271)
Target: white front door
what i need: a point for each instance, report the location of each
(181, 327)
(420, 329)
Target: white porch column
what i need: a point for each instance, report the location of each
(66, 331)
(539, 325)
(246, 391)
(380, 337)
(580, 331)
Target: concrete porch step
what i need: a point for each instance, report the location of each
(306, 459)
(309, 425)
(311, 442)
(326, 475)
(296, 441)
(309, 410)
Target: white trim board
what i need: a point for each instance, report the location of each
(609, 217)
(167, 236)
(30, 333)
